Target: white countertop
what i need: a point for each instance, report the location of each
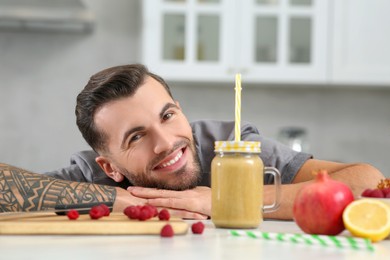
(212, 244)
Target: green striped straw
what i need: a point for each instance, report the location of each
(321, 240)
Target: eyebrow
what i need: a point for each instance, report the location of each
(166, 107)
(141, 128)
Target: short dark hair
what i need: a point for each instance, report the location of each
(105, 86)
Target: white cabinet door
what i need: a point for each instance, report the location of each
(284, 40)
(188, 40)
(210, 40)
(361, 42)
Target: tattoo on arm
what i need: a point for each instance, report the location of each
(21, 190)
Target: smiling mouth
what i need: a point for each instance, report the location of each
(172, 161)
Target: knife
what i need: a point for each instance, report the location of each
(82, 208)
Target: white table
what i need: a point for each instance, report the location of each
(212, 244)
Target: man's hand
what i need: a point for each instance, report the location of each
(124, 199)
(190, 204)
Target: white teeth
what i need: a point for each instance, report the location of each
(177, 157)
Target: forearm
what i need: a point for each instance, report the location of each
(21, 190)
(357, 176)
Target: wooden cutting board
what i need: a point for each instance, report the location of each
(115, 224)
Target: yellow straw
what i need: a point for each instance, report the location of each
(237, 129)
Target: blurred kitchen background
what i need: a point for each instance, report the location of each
(313, 70)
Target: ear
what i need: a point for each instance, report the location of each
(109, 169)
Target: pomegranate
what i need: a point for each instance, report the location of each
(319, 206)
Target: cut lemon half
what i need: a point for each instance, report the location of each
(367, 218)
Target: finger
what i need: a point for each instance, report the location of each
(140, 201)
(172, 203)
(150, 193)
(186, 214)
(182, 207)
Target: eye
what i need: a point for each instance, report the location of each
(135, 138)
(167, 116)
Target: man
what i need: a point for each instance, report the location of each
(143, 141)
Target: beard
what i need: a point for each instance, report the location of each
(185, 178)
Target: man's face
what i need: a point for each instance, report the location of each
(150, 141)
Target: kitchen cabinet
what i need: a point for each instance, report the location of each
(273, 41)
(361, 40)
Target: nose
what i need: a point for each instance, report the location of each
(163, 140)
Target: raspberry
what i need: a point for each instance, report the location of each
(367, 192)
(386, 192)
(145, 213)
(105, 209)
(164, 215)
(377, 193)
(197, 228)
(96, 212)
(132, 212)
(167, 231)
(153, 210)
(73, 214)
(141, 212)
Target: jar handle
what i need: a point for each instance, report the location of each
(277, 183)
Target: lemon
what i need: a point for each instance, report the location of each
(367, 218)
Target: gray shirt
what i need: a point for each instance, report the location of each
(83, 167)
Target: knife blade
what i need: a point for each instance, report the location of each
(82, 208)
